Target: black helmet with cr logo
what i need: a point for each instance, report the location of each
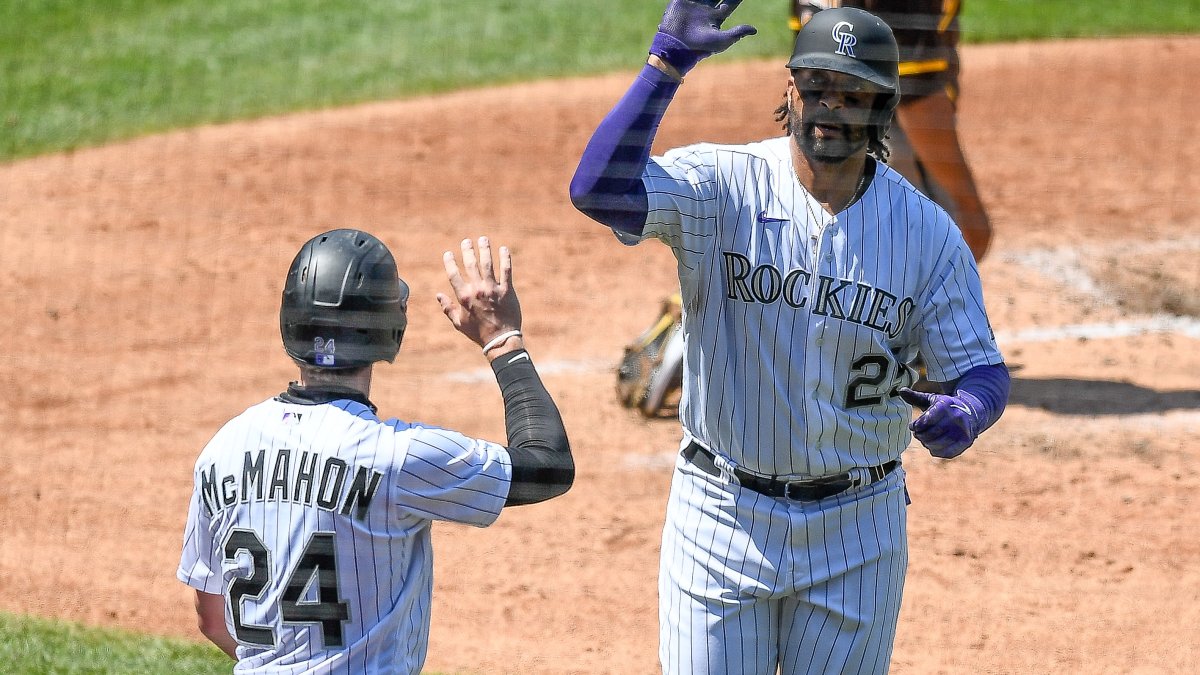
(855, 42)
(344, 305)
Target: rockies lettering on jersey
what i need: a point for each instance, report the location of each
(766, 284)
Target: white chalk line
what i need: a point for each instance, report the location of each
(1097, 331)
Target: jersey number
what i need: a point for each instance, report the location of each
(863, 390)
(317, 562)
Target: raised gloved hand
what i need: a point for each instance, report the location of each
(949, 424)
(691, 30)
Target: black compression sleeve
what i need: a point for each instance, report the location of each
(537, 441)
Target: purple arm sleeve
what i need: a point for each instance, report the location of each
(607, 185)
(987, 388)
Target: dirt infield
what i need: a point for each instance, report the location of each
(141, 289)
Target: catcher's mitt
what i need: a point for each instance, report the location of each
(650, 377)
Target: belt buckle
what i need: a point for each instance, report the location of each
(791, 488)
(798, 484)
(831, 486)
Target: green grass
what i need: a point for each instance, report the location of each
(83, 72)
(1009, 20)
(32, 646)
(36, 646)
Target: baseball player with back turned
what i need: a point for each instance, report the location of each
(308, 533)
(811, 274)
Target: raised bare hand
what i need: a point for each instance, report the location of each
(487, 305)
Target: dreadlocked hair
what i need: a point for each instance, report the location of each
(876, 146)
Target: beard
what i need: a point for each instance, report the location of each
(832, 149)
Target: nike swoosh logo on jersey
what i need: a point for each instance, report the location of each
(764, 218)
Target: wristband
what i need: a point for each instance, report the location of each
(499, 339)
(675, 52)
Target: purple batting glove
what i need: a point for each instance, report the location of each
(949, 424)
(691, 30)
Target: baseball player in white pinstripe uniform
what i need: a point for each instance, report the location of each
(811, 274)
(308, 532)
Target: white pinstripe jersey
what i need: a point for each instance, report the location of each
(797, 321)
(314, 522)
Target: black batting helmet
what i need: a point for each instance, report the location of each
(855, 42)
(344, 305)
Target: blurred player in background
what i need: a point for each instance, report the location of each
(924, 140)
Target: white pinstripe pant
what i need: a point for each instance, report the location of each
(749, 584)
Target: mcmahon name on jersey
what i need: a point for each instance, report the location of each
(298, 478)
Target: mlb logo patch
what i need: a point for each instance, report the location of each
(324, 351)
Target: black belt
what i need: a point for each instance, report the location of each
(800, 490)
